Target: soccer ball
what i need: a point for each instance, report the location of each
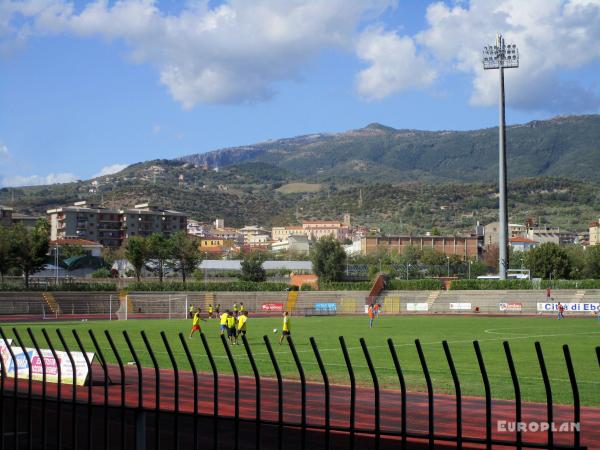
(275, 330)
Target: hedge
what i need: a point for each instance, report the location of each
(65, 287)
(483, 285)
(237, 286)
(425, 284)
(570, 284)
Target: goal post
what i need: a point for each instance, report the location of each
(158, 306)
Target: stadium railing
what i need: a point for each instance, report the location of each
(35, 411)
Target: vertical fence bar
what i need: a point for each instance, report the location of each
(327, 391)
(140, 419)
(236, 378)
(458, 392)
(352, 388)
(279, 380)
(488, 395)
(598, 354)
(15, 388)
(29, 389)
(89, 390)
(402, 391)
(176, 375)
(576, 402)
(429, 392)
(44, 385)
(550, 412)
(3, 375)
(365, 350)
(74, 389)
(113, 347)
(157, 389)
(215, 373)
(256, 376)
(190, 359)
(58, 388)
(105, 371)
(517, 389)
(302, 382)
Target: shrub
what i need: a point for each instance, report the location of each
(237, 286)
(103, 272)
(482, 285)
(425, 284)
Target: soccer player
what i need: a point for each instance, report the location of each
(286, 329)
(195, 323)
(218, 308)
(235, 309)
(561, 310)
(210, 311)
(241, 325)
(376, 308)
(242, 307)
(371, 315)
(231, 332)
(224, 322)
(192, 310)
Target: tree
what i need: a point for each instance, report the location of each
(136, 252)
(29, 247)
(159, 250)
(185, 255)
(591, 268)
(548, 260)
(6, 259)
(252, 267)
(328, 259)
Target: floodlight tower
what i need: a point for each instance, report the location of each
(501, 56)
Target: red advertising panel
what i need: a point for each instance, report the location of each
(272, 307)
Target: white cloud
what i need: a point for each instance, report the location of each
(553, 37)
(4, 153)
(35, 180)
(109, 170)
(395, 65)
(234, 52)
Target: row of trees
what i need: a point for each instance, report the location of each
(552, 261)
(23, 250)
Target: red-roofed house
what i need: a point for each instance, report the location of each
(522, 244)
(90, 248)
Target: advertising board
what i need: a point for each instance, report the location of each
(417, 307)
(325, 306)
(460, 306)
(271, 307)
(571, 307)
(511, 306)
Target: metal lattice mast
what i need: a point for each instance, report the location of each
(501, 56)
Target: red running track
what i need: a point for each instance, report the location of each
(473, 420)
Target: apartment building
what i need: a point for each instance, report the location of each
(110, 227)
(6, 216)
(467, 247)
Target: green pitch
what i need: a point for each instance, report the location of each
(581, 334)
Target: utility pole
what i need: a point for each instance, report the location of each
(501, 56)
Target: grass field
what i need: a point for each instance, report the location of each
(582, 336)
(299, 188)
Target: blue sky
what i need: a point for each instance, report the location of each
(88, 87)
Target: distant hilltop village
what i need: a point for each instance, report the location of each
(104, 227)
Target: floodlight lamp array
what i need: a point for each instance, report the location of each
(500, 55)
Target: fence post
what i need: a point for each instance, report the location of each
(190, 359)
(488, 396)
(302, 383)
(74, 390)
(58, 389)
(122, 374)
(458, 392)
(157, 389)
(326, 387)
(429, 392)
(279, 380)
(105, 371)
(517, 389)
(3, 375)
(236, 378)
(90, 382)
(15, 388)
(140, 417)
(176, 375)
(215, 373)
(576, 403)
(29, 388)
(256, 377)
(363, 344)
(549, 411)
(402, 391)
(352, 389)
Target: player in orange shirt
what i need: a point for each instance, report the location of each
(371, 315)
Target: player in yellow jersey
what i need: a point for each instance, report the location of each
(241, 325)
(235, 309)
(210, 311)
(231, 331)
(242, 307)
(286, 329)
(195, 323)
(223, 319)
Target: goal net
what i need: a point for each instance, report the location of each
(159, 306)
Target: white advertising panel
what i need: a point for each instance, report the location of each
(417, 307)
(573, 307)
(66, 370)
(511, 306)
(460, 306)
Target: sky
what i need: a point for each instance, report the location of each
(88, 87)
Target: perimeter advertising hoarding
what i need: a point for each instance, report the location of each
(272, 307)
(417, 307)
(511, 306)
(573, 307)
(325, 306)
(66, 370)
(460, 306)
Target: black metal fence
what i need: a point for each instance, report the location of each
(40, 414)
